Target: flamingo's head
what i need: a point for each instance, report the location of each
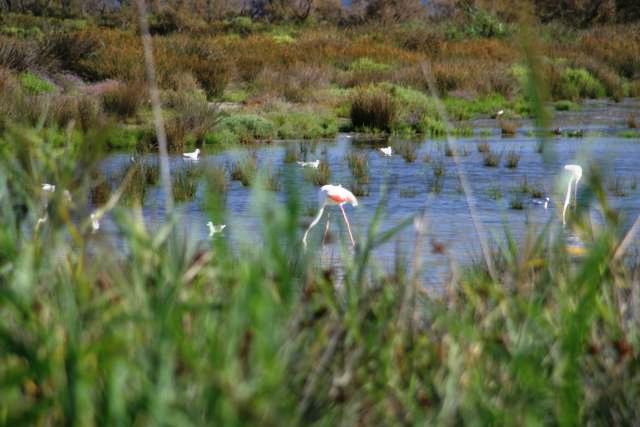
(210, 224)
(197, 151)
(576, 170)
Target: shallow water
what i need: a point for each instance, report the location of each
(410, 186)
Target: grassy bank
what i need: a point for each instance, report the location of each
(185, 333)
(238, 80)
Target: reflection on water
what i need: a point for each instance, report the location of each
(504, 197)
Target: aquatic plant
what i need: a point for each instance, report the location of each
(319, 176)
(516, 203)
(184, 183)
(407, 149)
(494, 193)
(512, 159)
(483, 147)
(245, 170)
(508, 127)
(291, 151)
(491, 159)
(632, 121)
(358, 162)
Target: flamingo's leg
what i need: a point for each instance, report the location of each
(326, 228)
(353, 242)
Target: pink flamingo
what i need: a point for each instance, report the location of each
(335, 195)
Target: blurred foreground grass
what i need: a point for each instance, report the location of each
(164, 331)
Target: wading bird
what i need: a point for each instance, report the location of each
(49, 188)
(334, 195)
(315, 164)
(387, 151)
(576, 174)
(214, 229)
(192, 156)
(543, 202)
(95, 223)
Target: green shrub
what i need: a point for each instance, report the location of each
(35, 84)
(566, 105)
(304, 125)
(245, 128)
(578, 83)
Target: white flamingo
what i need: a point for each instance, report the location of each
(335, 195)
(576, 174)
(193, 155)
(315, 164)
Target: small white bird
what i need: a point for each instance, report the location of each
(214, 229)
(499, 113)
(387, 151)
(315, 164)
(95, 223)
(192, 156)
(49, 188)
(544, 202)
(41, 221)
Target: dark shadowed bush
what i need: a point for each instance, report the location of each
(373, 108)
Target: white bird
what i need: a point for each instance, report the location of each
(544, 202)
(41, 221)
(214, 229)
(192, 156)
(576, 174)
(335, 195)
(387, 151)
(95, 223)
(499, 113)
(315, 164)
(49, 188)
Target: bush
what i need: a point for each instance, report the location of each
(35, 84)
(304, 125)
(124, 99)
(373, 108)
(244, 128)
(579, 83)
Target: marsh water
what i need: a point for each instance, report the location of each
(412, 187)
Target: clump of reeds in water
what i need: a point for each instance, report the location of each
(512, 159)
(359, 189)
(508, 127)
(185, 183)
(516, 203)
(245, 170)
(632, 121)
(291, 151)
(358, 162)
(491, 159)
(100, 190)
(618, 187)
(483, 147)
(450, 152)
(438, 170)
(318, 176)
(408, 150)
(143, 174)
(216, 176)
